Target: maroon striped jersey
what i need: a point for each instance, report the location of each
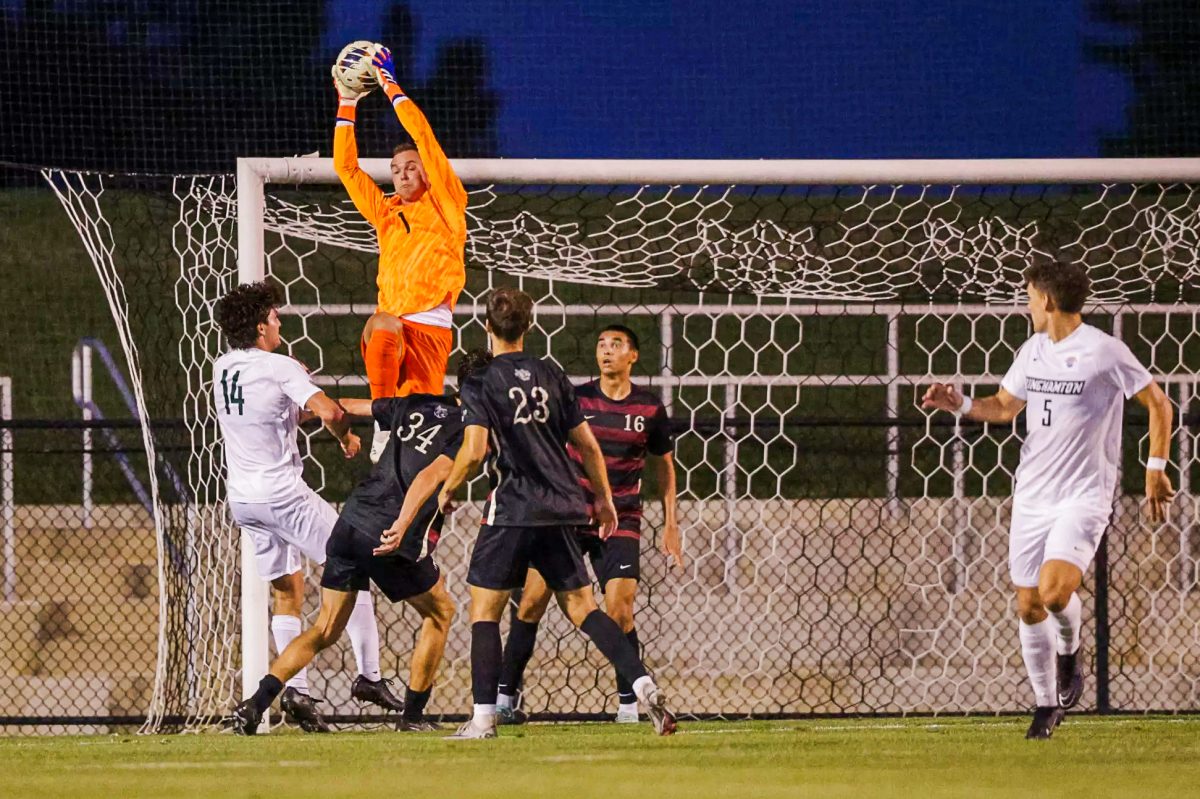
(627, 429)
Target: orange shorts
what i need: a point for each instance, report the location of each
(424, 351)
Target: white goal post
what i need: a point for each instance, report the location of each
(846, 553)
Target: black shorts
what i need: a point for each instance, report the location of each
(351, 566)
(611, 559)
(503, 555)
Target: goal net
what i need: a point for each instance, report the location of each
(845, 552)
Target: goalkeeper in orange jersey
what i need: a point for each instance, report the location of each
(422, 231)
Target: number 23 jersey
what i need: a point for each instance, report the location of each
(528, 407)
(1075, 391)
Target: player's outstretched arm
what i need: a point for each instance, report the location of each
(335, 421)
(421, 489)
(466, 463)
(1000, 408)
(368, 198)
(593, 466)
(664, 473)
(443, 182)
(1159, 491)
(356, 407)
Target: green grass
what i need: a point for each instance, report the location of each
(1089, 756)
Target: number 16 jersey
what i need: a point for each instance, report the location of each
(257, 396)
(528, 406)
(1075, 391)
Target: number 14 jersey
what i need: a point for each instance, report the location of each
(528, 406)
(257, 396)
(1075, 392)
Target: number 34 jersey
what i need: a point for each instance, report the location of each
(257, 396)
(1074, 392)
(528, 406)
(423, 427)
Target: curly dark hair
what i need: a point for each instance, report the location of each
(472, 361)
(1066, 282)
(241, 311)
(510, 313)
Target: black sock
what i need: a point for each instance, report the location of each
(414, 704)
(269, 687)
(485, 661)
(608, 638)
(625, 692)
(522, 636)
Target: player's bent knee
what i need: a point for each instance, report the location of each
(382, 321)
(1029, 606)
(533, 608)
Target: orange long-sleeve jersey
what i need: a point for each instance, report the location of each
(421, 244)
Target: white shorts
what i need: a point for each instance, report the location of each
(283, 531)
(1070, 532)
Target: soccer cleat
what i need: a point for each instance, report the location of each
(655, 704)
(377, 693)
(420, 725)
(302, 709)
(510, 715)
(245, 718)
(626, 717)
(471, 732)
(1070, 680)
(378, 442)
(1045, 719)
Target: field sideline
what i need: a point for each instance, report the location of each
(988, 757)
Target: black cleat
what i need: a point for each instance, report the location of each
(420, 725)
(245, 718)
(1045, 719)
(377, 693)
(302, 709)
(1070, 680)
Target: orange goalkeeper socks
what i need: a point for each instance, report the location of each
(382, 358)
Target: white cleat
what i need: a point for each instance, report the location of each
(627, 717)
(378, 442)
(473, 732)
(655, 704)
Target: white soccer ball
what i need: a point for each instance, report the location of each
(353, 67)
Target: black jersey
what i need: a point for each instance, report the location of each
(627, 429)
(423, 426)
(528, 407)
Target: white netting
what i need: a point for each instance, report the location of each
(845, 553)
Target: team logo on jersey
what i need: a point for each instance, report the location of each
(1071, 361)
(523, 374)
(1040, 385)
(441, 411)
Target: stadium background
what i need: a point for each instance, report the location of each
(162, 89)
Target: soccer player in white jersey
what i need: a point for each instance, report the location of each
(260, 397)
(1073, 380)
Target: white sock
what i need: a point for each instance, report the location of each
(364, 636)
(630, 708)
(484, 715)
(1069, 621)
(284, 630)
(1037, 649)
(505, 701)
(640, 685)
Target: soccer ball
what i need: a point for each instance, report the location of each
(353, 67)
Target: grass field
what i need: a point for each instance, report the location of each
(1089, 756)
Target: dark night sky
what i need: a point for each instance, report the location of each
(822, 78)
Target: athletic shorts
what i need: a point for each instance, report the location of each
(423, 353)
(351, 566)
(503, 555)
(1070, 532)
(283, 531)
(615, 558)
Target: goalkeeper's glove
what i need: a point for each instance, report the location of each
(385, 73)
